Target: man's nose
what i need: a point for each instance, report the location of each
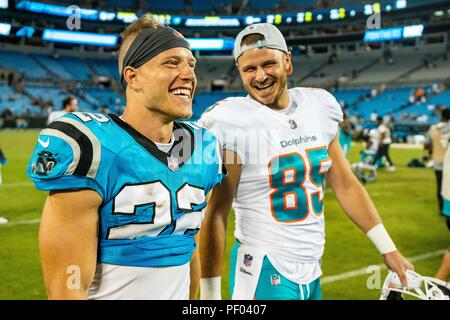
(188, 72)
(261, 75)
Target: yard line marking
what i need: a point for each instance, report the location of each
(22, 222)
(363, 271)
(406, 146)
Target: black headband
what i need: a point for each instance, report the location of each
(149, 43)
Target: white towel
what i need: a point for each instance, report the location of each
(248, 268)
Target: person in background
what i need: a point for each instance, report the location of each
(437, 142)
(384, 142)
(444, 270)
(69, 104)
(345, 135)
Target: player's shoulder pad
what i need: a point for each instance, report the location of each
(226, 113)
(200, 129)
(69, 145)
(326, 100)
(227, 105)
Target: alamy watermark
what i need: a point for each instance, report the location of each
(73, 281)
(374, 280)
(74, 20)
(374, 21)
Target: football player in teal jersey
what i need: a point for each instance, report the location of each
(127, 194)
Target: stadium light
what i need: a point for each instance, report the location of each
(3, 4)
(394, 33)
(5, 29)
(95, 39)
(210, 44)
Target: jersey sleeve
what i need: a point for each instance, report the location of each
(221, 119)
(332, 114)
(217, 169)
(66, 157)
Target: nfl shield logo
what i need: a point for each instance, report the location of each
(172, 163)
(248, 259)
(275, 279)
(292, 124)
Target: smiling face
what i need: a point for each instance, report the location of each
(264, 75)
(166, 82)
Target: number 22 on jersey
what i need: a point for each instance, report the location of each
(298, 184)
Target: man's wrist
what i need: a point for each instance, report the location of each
(381, 239)
(210, 288)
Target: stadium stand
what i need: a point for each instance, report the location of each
(103, 67)
(53, 66)
(23, 63)
(76, 67)
(366, 79)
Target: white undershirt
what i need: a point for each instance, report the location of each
(165, 147)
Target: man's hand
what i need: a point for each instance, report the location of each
(397, 263)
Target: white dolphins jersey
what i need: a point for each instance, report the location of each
(279, 200)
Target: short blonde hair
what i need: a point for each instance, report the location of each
(252, 39)
(130, 33)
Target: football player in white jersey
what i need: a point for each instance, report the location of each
(280, 147)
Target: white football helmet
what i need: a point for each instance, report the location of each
(421, 287)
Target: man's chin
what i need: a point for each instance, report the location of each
(265, 100)
(184, 113)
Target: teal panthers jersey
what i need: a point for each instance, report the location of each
(153, 201)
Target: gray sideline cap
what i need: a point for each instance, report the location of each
(273, 39)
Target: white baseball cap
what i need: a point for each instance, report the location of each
(273, 39)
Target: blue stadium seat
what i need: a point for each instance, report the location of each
(51, 92)
(202, 6)
(301, 4)
(384, 103)
(163, 6)
(263, 4)
(54, 65)
(103, 67)
(104, 96)
(18, 103)
(350, 96)
(122, 3)
(76, 67)
(203, 100)
(441, 98)
(23, 63)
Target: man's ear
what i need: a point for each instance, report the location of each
(130, 76)
(288, 61)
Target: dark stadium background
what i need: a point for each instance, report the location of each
(378, 58)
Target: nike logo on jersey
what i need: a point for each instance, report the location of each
(44, 144)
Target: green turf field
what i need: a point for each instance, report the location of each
(405, 200)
